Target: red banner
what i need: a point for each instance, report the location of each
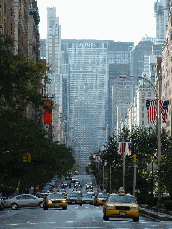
(48, 114)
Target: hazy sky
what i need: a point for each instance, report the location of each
(118, 20)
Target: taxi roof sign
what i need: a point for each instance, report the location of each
(121, 190)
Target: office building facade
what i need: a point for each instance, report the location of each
(161, 12)
(85, 73)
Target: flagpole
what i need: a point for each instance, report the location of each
(103, 176)
(123, 165)
(158, 95)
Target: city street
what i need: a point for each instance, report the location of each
(85, 216)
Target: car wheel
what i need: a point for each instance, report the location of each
(45, 207)
(41, 204)
(136, 219)
(80, 204)
(105, 217)
(64, 208)
(14, 206)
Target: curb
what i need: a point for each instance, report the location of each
(154, 215)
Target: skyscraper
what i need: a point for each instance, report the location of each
(161, 12)
(53, 57)
(85, 69)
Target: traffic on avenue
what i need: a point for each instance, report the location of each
(76, 203)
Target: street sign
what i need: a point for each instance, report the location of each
(152, 166)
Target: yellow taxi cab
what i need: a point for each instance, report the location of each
(121, 205)
(100, 199)
(54, 200)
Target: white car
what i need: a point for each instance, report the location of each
(23, 200)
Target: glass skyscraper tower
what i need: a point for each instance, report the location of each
(53, 58)
(87, 86)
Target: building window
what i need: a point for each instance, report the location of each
(142, 108)
(143, 123)
(143, 101)
(149, 94)
(142, 115)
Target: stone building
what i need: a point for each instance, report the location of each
(167, 72)
(20, 20)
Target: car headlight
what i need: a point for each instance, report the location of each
(134, 208)
(64, 201)
(49, 201)
(110, 207)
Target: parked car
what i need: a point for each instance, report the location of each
(54, 200)
(23, 200)
(87, 199)
(74, 198)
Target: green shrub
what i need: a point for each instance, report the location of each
(167, 204)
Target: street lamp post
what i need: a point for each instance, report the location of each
(158, 116)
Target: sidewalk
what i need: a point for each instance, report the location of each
(153, 214)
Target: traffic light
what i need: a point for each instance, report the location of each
(18, 183)
(29, 157)
(25, 158)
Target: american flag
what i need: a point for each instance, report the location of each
(164, 109)
(128, 148)
(151, 107)
(124, 147)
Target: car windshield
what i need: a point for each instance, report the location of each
(87, 196)
(41, 195)
(121, 199)
(103, 195)
(73, 194)
(55, 196)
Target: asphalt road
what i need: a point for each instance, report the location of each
(85, 216)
